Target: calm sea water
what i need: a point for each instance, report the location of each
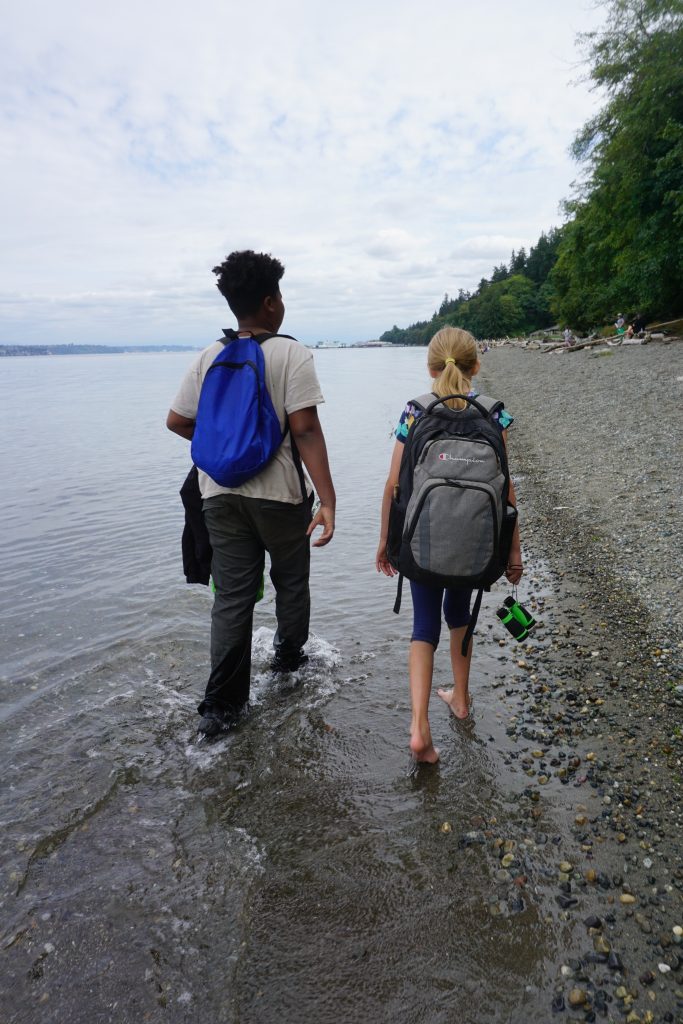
(293, 871)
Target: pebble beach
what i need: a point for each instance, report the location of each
(596, 451)
(605, 437)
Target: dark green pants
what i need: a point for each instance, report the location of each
(241, 530)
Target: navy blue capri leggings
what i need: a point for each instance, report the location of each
(427, 611)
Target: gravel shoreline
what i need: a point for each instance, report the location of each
(596, 714)
(604, 429)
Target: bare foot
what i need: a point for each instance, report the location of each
(422, 748)
(460, 708)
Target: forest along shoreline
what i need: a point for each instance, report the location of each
(599, 706)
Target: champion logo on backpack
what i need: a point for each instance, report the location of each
(445, 457)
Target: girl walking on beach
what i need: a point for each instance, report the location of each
(452, 361)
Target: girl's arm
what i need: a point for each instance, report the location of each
(515, 567)
(382, 564)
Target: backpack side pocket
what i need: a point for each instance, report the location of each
(397, 517)
(506, 532)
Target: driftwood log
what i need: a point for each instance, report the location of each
(591, 343)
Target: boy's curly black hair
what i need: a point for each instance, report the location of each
(246, 278)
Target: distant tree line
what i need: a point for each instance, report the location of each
(515, 300)
(621, 248)
(87, 350)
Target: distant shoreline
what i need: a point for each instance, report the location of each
(88, 350)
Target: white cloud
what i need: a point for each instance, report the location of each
(486, 247)
(392, 244)
(386, 156)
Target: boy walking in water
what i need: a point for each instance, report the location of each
(270, 511)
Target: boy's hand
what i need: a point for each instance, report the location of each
(323, 517)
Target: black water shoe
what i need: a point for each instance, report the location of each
(285, 662)
(213, 723)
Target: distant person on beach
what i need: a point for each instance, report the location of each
(638, 325)
(619, 324)
(452, 362)
(568, 337)
(272, 511)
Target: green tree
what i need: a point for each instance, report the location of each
(518, 261)
(542, 256)
(514, 304)
(623, 245)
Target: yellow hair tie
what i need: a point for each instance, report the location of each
(450, 359)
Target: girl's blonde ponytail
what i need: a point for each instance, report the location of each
(453, 354)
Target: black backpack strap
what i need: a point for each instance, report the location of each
(297, 462)
(485, 408)
(231, 335)
(399, 593)
(490, 405)
(474, 615)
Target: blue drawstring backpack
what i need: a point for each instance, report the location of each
(237, 431)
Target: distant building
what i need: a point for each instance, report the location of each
(372, 344)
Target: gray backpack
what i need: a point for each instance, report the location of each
(450, 522)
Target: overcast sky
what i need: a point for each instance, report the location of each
(386, 152)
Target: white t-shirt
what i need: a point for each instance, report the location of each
(292, 385)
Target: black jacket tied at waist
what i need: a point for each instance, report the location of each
(196, 545)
